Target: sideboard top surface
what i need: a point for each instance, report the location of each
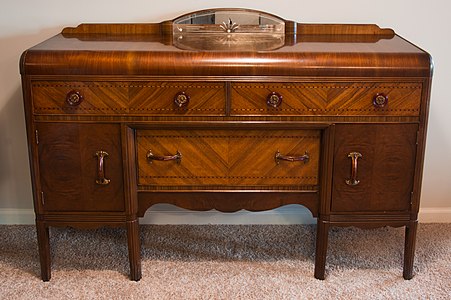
(152, 49)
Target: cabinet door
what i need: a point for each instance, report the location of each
(373, 169)
(71, 167)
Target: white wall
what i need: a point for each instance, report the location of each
(24, 23)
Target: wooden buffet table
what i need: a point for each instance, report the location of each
(226, 109)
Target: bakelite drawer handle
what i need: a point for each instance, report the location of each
(101, 168)
(274, 99)
(278, 157)
(74, 98)
(177, 157)
(354, 158)
(181, 99)
(380, 100)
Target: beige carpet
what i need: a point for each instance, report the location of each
(226, 262)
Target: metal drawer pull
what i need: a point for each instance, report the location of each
(354, 157)
(177, 157)
(101, 168)
(278, 157)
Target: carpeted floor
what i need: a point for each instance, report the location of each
(226, 262)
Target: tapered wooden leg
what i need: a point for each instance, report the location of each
(322, 234)
(409, 249)
(42, 231)
(134, 249)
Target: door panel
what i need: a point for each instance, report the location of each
(384, 171)
(69, 167)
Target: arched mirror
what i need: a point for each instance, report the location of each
(229, 29)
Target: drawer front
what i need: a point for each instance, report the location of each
(177, 98)
(328, 99)
(60, 97)
(131, 98)
(228, 157)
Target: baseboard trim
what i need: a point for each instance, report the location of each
(291, 214)
(12, 216)
(435, 215)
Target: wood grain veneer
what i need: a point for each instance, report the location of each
(238, 158)
(98, 97)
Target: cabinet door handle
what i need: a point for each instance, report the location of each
(278, 157)
(101, 168)
(354, 158)
(177, 157)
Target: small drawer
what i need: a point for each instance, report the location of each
(131, 98)
(251, 158)
(70, 97)
(174, 98)
(328, 99)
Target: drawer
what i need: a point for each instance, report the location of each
(173, 98)
(328, 99)
(206, 158)
(131, 98)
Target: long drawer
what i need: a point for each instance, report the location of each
(332, 99)
(251, 158)
(131, 98)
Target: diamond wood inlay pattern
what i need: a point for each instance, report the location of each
(49, 97)
(158, 98)
(344, 99)
(136, 98)
(228, 157)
